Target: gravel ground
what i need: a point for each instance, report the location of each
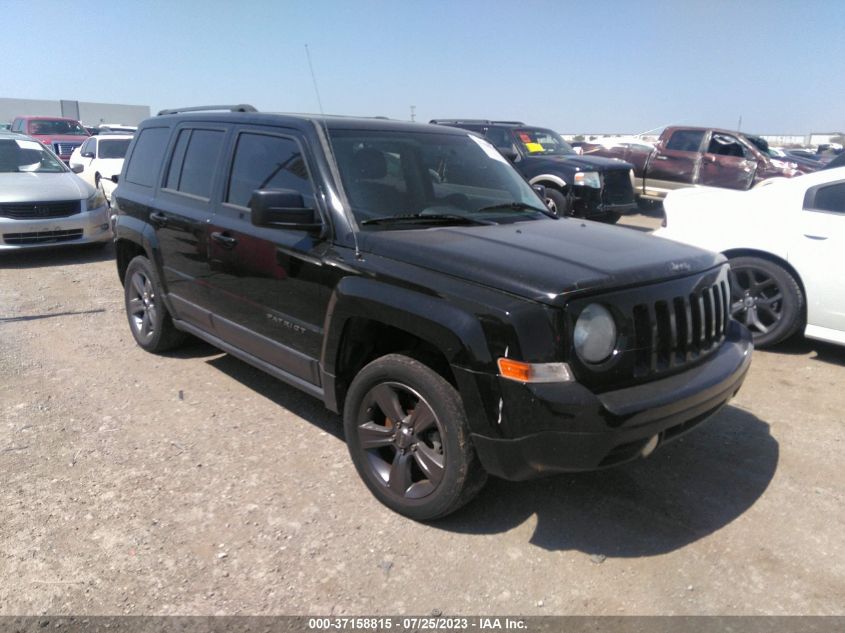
(194, 484)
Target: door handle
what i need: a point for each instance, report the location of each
(816, 237)
(661, 158)
(158, 219)
(227, 241)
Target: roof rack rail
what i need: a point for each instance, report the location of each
(241, 107)
(474, 122)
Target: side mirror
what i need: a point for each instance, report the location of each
(541, 191)
(284, 209)
(87, 154)
(76, 168)
(508, 152)
(114, 178)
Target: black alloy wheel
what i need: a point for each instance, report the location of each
(149, 320)
(766, 299)
(408, 437)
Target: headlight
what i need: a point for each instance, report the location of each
(96, 201)
(588, 179)
(595, 334)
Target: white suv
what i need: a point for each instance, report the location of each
(99, 158)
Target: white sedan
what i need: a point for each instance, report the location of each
(99, 158)
(786, 245)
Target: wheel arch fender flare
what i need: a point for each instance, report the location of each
(555, 179)
(131, 229)
(456, 333)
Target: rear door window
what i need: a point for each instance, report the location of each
(194, 162)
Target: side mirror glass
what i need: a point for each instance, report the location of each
(114, 178)
(282, 208)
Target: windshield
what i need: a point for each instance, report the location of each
(536, 141)
(415, 175)
(24, 155)
(48, 127)
(113, 149)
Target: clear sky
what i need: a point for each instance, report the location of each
(575, 65)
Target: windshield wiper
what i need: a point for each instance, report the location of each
(514, 206)
(424, 218)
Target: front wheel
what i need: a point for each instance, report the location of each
(558, 203)
(766, 298)
(407, 435)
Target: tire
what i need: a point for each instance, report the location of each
(149, 320)
(766, 298)
(611, 218)
(558, 202)
(428, 468)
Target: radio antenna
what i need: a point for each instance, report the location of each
(327, 143)
(314, 79)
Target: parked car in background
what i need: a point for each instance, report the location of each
(698, 156)
(42, 202)
(111, 128)
(589, 187)
(786, 246)
(408, 276)
(99, 158)
(62, 135)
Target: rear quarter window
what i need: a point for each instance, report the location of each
(147, 156)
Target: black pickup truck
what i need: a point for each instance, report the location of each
(590, 187)
(407, 276)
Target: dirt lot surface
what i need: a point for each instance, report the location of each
(194, 484)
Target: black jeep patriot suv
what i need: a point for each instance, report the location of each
(592, 187)
(409, 277)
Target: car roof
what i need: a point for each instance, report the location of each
(113, 136)
(332, 122)
(46, 118)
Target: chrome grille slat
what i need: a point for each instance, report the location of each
(39, 210)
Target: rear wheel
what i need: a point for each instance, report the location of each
(766, 298)
(149, 320)
(408, 437)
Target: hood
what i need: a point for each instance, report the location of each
(543, 260)
(41, 187)
(60, 138)
(582, 163)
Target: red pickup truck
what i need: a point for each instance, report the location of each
(698, 156)
(60, 134)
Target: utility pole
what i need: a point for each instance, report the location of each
(413, 116)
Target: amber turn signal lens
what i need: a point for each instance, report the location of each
(514, 369)
(534, 372)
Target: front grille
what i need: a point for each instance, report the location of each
(673, 332)
(617, 187)
(39, 210)
(42, 237)
(65, 149)
(663, 328)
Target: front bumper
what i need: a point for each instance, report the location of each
(578, 430)
(81, 228)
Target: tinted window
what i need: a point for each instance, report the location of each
(147, 156)
(500, 137)
(175, 170)
(686, 140)
(267, 162)
(200, 162)
(831, 198)
(113, 149)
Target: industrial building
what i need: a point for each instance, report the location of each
(88, 113)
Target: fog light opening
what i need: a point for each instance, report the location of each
(649, 447)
